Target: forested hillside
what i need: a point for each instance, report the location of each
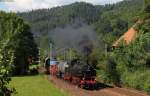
(49, 19)
(113, 19)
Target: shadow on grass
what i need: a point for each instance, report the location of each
(30, 73)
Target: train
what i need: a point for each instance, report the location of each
(75, 72)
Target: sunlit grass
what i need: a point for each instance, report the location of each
(35, 86)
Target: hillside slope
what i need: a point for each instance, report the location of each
(108, 19)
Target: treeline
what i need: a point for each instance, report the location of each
(113, 19)
(114, 22)
(16, 45)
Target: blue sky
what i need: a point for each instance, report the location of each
(25, 5)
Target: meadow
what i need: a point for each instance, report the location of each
(35, 86)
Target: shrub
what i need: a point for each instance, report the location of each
(147, 86)
(147, 83)
(138, 79)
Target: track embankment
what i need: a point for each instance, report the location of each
(104, 90)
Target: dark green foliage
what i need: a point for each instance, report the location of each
(112, 71)
(129, 64)
(19, 38)
(147, 85)
(133, 59)
(6, 58)
(114, 22)
(47, 19)
(147, 6)
(25, 47)
(111, 27)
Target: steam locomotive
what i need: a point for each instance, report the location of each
(82, 75)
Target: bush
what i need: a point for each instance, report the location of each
(147, 86)
(6, 59)
(138, 79)
(103, 76)
(132, 80)
(147, 83)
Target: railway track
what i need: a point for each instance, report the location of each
(103, 91)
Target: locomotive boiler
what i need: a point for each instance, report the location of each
(78, 73)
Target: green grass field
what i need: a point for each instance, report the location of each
(35, 86)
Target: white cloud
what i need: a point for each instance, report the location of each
(24, 5)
